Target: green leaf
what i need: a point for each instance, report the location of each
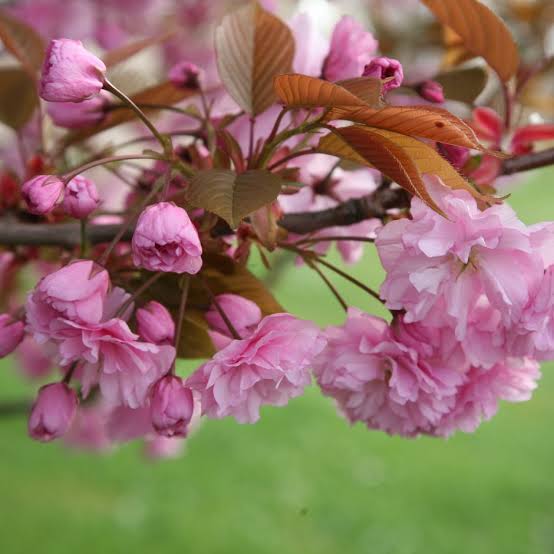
(232, 197)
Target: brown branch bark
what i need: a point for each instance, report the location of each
(67, 235)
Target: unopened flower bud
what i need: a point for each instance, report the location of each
(171, 406)
(185, 74)
(11, 334)
(80, 198)
(52, 412)
(155, 323)
(42, 193)
(385, 68)
(431, 91)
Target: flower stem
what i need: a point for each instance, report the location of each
(221, 311)
(164, 141)
(143, 288)
(185, 286)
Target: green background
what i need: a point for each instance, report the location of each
(301, 480)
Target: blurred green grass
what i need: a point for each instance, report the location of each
(301, 480)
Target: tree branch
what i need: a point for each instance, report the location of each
(67, 235)
(526, 162)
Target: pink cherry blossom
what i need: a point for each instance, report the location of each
(81, 197)
(439, 268)
(351, 49)
(311, 45)
(385, 68)
(88, 430)
(159, 447)
(513, 380)
(75, 292)
(35, 360)
(123, 366)
(71, 115)
(52, 412)
(243, 314)
(11, 334)
(165, 239)
(70, 72)
(171, 406)
(42, 193)
(269, 367)
(155, 324)
(389, 380)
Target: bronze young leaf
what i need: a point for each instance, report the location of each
(252, 46)
(483, 33)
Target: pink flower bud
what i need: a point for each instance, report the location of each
(431, 91)
(165, 239)
(385, 68)
(80, 198)
(72, 115)
(41, 193)
(456, 155)
(185, 74)
(52, 412)
(70, 73)
(171, 406)
(155, 324)
(11, 334)
(243, 314)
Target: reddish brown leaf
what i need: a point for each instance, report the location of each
(252, 46)
(483, 33)
(23, 42)
(300, 91)
(419, 121)
(18, 97)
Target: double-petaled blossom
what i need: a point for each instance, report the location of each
(243, 314)
(410, 379)
(387, 69)
(70, 72)
(114, 358)
(155, 323)
(351, 49)
(42, 193)
(165, 239)
(76, 292)
(438, 268)
(11, 334)
(74, 115)
(52, 412)
(171, 406)
(383, 382)
(80, 198)
(269, 367)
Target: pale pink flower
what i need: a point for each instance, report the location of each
(269, 367)
(52, 412)
(351, 49)
(243, 314)
(72, 115)
(35, 360)
(438, 268)
(11, 334)
(70, 73)
(155, 323)
(158, 447)
(42, 193)
(512, 380)
(402, 381)
(88, 430)
(124, 424)
(385, 68)
(311, 45)
(165, 239)
(80, 198)
(171, 406)
(75, 292)
(124, 367)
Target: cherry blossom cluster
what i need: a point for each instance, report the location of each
(470, 290)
